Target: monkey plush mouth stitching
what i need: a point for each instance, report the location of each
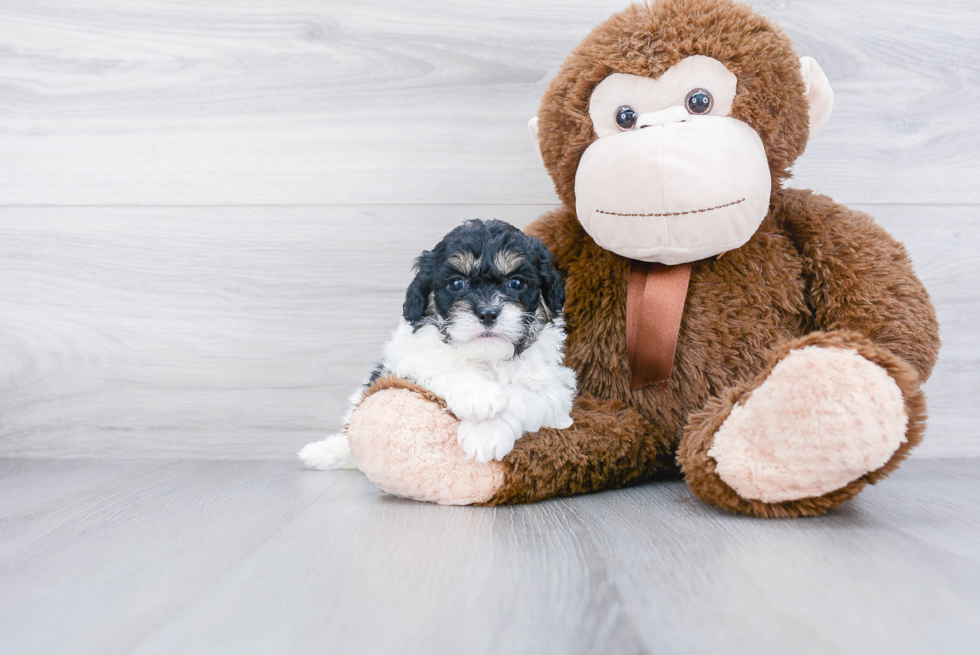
(693, 211)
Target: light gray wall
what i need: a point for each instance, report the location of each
(208, 210)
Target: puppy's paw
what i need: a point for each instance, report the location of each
(478, 401)
(331, 453)
(484, 441)
(560, 422)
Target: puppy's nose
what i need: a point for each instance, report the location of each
(488, 315)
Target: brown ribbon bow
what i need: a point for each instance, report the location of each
(654, 306)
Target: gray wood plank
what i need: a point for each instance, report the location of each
(240, 332)
(30, 486)
(205, 557)
(932, 513)
(302, 102)
(842, 583)
(95, 571)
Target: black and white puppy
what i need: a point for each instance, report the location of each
(482, 328)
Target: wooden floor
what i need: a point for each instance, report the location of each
(263, 557)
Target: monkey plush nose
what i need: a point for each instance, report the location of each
(488, 315)
(662, 117)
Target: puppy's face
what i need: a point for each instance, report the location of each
(488, 288)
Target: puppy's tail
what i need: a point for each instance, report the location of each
(329, 454)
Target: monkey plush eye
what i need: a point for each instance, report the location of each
(699, 101)
(517, 284)
(457, 284)
(626, 118)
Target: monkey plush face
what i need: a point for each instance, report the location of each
(679, 131)
(672, 177)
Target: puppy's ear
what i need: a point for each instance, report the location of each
(552, 284)
(417, 296)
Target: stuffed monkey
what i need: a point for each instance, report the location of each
(764, 343)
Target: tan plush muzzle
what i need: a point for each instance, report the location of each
(677, 189)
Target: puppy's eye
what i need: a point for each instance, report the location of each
(626, 118)
(457, 284)
(517, 284)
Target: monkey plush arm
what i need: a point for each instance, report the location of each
(860, 278)
(609, 445)
(405, 442)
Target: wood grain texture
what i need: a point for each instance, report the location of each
(323, 102)
(261, 557)
(235, 332)
(240, 332)
(261, 174)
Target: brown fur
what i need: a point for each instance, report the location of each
(610, 445)
(649, 39)
(391, 382)
(812, 266)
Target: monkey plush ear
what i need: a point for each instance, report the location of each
(417, 296)
(818, 94)
(532, 127)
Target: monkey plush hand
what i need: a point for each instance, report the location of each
(765, 343)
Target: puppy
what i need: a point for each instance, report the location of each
(481, 328)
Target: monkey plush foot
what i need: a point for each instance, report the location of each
(831, 413)
(405, 442)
